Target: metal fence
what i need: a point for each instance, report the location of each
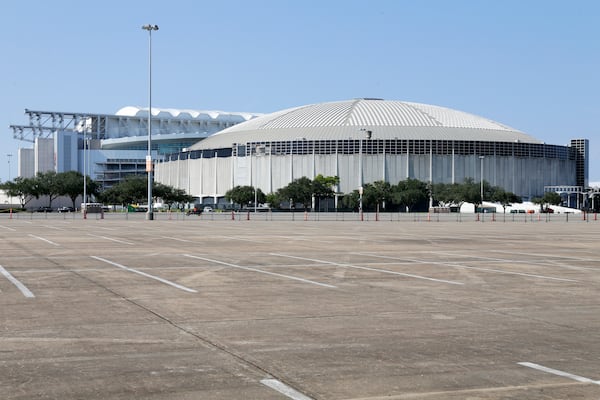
(314, 216)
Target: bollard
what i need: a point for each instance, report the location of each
(101, 213)
(584, 215)
(248, 216)
(305, 215)
(233, 215)
(10, 213)
(477, 217)
(84, 214)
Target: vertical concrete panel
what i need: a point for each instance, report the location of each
(223, 165)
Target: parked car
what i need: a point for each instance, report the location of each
(194, 211)
(65, 209)
(44, 209)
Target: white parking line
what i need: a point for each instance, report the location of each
(177, 239)
(559, 373)
(45, 240)
(241, 239)
(145, 274)
(385, 271)
(107, 238)
(457, 265)
(26, 292)
(6, 227)
(284, 389)
(53, 227)
(263, 272)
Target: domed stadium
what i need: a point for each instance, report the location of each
(367, 140)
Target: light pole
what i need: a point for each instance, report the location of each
(149, 28)
(9, 157)
(84, 173)
(481, 183)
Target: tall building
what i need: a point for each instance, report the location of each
(582, 156)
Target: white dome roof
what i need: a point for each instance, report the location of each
(387, 119)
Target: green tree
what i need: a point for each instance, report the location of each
(323, 187)
(170, 195)
(132, 190)
(48, 184)
(549, 198)
(376, 194)
(244, 195)
(447, 194)
(110, 196)
(274, 200)
(25, 189)
(499, 195)
(351, 200)
(299, 190)
(70, 184)
(410, 193)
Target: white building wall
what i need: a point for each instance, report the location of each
(44, 155)
(210, 177)
(26, 164)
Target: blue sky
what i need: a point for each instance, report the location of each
(532, 65)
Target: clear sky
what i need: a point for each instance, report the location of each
(532, 65)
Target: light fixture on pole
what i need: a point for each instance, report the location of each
(150, 213)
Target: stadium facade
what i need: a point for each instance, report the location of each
(367, 140)
(110, 147)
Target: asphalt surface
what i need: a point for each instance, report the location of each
(195, 308)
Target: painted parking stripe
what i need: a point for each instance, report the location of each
(263, 272)
(112, 239)
(457, 265)
(284, 389)
(135, 271)
(559, 373)
(45, 240)
(385, 271)
(26, 292)
(241, 239)
(177, 239)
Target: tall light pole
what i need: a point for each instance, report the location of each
(149, 28)
(9, 157)
(84, 173)
(481, 183)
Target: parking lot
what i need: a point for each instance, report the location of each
(215, 307)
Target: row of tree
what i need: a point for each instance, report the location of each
(407, 195)
(52, 185)
(49, 184)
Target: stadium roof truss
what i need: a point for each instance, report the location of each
(43, 124)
